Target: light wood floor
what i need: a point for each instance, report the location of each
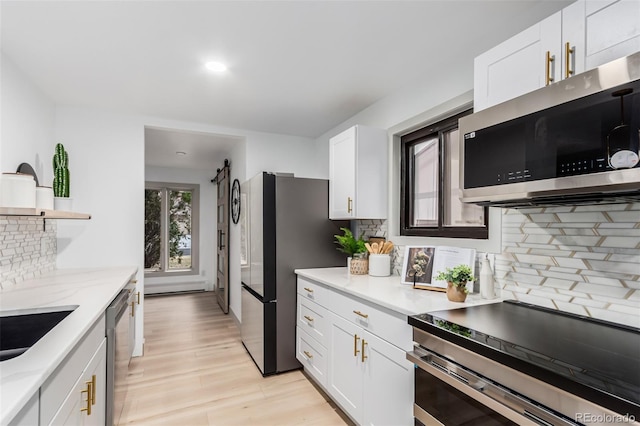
(195, 371)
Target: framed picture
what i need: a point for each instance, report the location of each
(418, 264)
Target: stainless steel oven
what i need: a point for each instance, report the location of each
(465, 376)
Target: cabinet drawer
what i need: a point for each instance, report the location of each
(376, 320)
(313, 291)
(312, 318)
(312, 356)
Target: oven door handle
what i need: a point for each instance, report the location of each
(495, 397)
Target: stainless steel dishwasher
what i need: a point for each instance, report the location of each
(117, 330)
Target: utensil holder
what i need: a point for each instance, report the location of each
(379, 265)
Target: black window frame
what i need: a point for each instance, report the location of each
(407, 185)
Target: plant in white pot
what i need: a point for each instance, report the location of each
(61, 178)
(457, 279)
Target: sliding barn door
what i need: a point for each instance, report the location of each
(222, 279)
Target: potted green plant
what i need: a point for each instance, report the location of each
(61, 178)
(457, 279)
(355, 249)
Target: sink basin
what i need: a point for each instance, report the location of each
(19, 330)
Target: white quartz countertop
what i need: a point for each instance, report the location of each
(388, 291)
(91, 290)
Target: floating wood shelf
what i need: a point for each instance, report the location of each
(45, 214)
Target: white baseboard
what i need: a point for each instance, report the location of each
(156, 288)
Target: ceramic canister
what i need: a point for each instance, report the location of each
(17, 190)
(44, 197)
(380, 265)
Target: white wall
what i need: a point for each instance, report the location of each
(433, 96)
(27, 124)
(107, 180)
(207, 226)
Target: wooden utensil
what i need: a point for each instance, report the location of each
(387, 248)
(369, 248)
(374, 247)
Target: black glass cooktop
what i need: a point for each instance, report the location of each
(598, 355)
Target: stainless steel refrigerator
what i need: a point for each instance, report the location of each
(284, 226)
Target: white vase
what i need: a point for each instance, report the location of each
(62, 203)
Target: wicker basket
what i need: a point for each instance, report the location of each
(359, 266)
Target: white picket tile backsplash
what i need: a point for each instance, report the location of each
(27, 248)
(578, 259)
(590, 263)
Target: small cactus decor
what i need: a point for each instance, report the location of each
(60, 172)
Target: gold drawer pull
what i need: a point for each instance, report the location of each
(355, 345)
(310, 290)
(549, 77)
(88, 392)
(93, 390)
(134, 281)
(133, 309)
(308, 354)
(568, 52)
(361, 314)
(364, 343)
(138, 298)
(349, 202)
(308, 318)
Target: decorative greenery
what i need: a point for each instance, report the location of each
(459, 276)
(60, 172)
(348, 243)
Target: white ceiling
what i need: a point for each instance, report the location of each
(295, 67)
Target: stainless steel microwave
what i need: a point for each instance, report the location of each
(575, 141)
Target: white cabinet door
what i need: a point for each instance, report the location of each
(85, 404)
(612, 29)
(342, 171)
(518, 65)
(386, 367)
(358, 163)
(345, 367)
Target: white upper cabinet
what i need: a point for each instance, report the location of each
(358, 163)
(582, 36)
(518, 65)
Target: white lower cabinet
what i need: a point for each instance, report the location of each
(366, 374)
(85, 404)
(75, 394)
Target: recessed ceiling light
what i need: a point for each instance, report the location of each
(216, 66)
(181, 153)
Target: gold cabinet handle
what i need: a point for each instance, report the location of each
(364, 343)
(133, 309)
(308, 355)
(93, 390)
(361, 314)
(550, 59)
(349, 204)
(308, 318)
(355, 345)
(310, 290)
(138, 295)
(134, 281)
(568, 53)
(88, 392)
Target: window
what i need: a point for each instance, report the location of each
(171, 228)
(430, 185)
